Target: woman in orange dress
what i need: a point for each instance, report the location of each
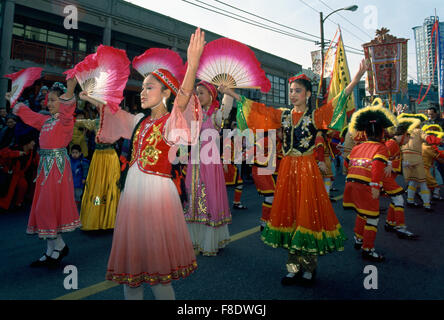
(302, 219)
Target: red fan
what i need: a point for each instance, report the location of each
(155, 58)
(231, 63)
(22, 79)
(103, 75)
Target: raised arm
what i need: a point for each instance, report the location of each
(363, 67)
(195, 49)
(112, 126)
(330, 114)
(31, 118)
(68, 104)
(253, 115)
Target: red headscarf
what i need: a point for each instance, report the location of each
(213, 92)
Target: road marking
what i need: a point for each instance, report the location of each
(105, 285)
(338, 197)
(244, 234)
(88, 291)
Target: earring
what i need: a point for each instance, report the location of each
(164, 100)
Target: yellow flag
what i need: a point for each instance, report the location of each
(341, 76)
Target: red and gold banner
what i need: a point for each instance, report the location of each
(388, 57)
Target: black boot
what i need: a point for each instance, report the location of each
(372, 255)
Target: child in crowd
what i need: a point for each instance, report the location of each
(79, 167)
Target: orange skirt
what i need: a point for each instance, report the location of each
(302, 217)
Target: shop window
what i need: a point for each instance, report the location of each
(35, 34)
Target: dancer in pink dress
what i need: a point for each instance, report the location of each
(151, 242)
(53, 208)
(207, 211)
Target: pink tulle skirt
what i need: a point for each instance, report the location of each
(151, 242)
(53, 207)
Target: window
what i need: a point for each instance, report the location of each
(82, 45)
(58, 39)
(277, 96)
(35, 34)
(18, 30)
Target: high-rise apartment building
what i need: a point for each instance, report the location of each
(423, 43)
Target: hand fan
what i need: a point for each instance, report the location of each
(156, 58)
(103, 75)
(22, 79)
(231, 63)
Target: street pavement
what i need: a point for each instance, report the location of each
(246, 269)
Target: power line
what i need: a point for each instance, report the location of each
(359, 28)
(257, 16)
(251, 22)
(259, 24)
(332, 21)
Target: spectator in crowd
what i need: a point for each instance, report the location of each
(7, 134)
(3, 115)
(15, 161)
(79, 167)
(40, 101)
(434, 117)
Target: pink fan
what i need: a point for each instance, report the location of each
(231, 63)
(155, 58)
(103, 75)
(22, 79)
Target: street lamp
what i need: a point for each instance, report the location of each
(322, 19)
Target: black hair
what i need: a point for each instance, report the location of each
(433, 108)
(308, 87)
(11, 116)
(374, 130)
(402, 128)
(58, 88)
(25, 139)
(78, 111)
(76, 147)
(170, 100)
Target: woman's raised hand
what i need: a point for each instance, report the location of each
(195, 48)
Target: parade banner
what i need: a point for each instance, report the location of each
(440, 55)
(340, 79)
(388, 57)
(329, 61)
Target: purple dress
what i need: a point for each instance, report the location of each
(207, 212)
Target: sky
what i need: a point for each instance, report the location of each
(357, 27)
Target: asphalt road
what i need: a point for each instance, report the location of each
(245, 270)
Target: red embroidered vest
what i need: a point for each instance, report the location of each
(150, 149)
